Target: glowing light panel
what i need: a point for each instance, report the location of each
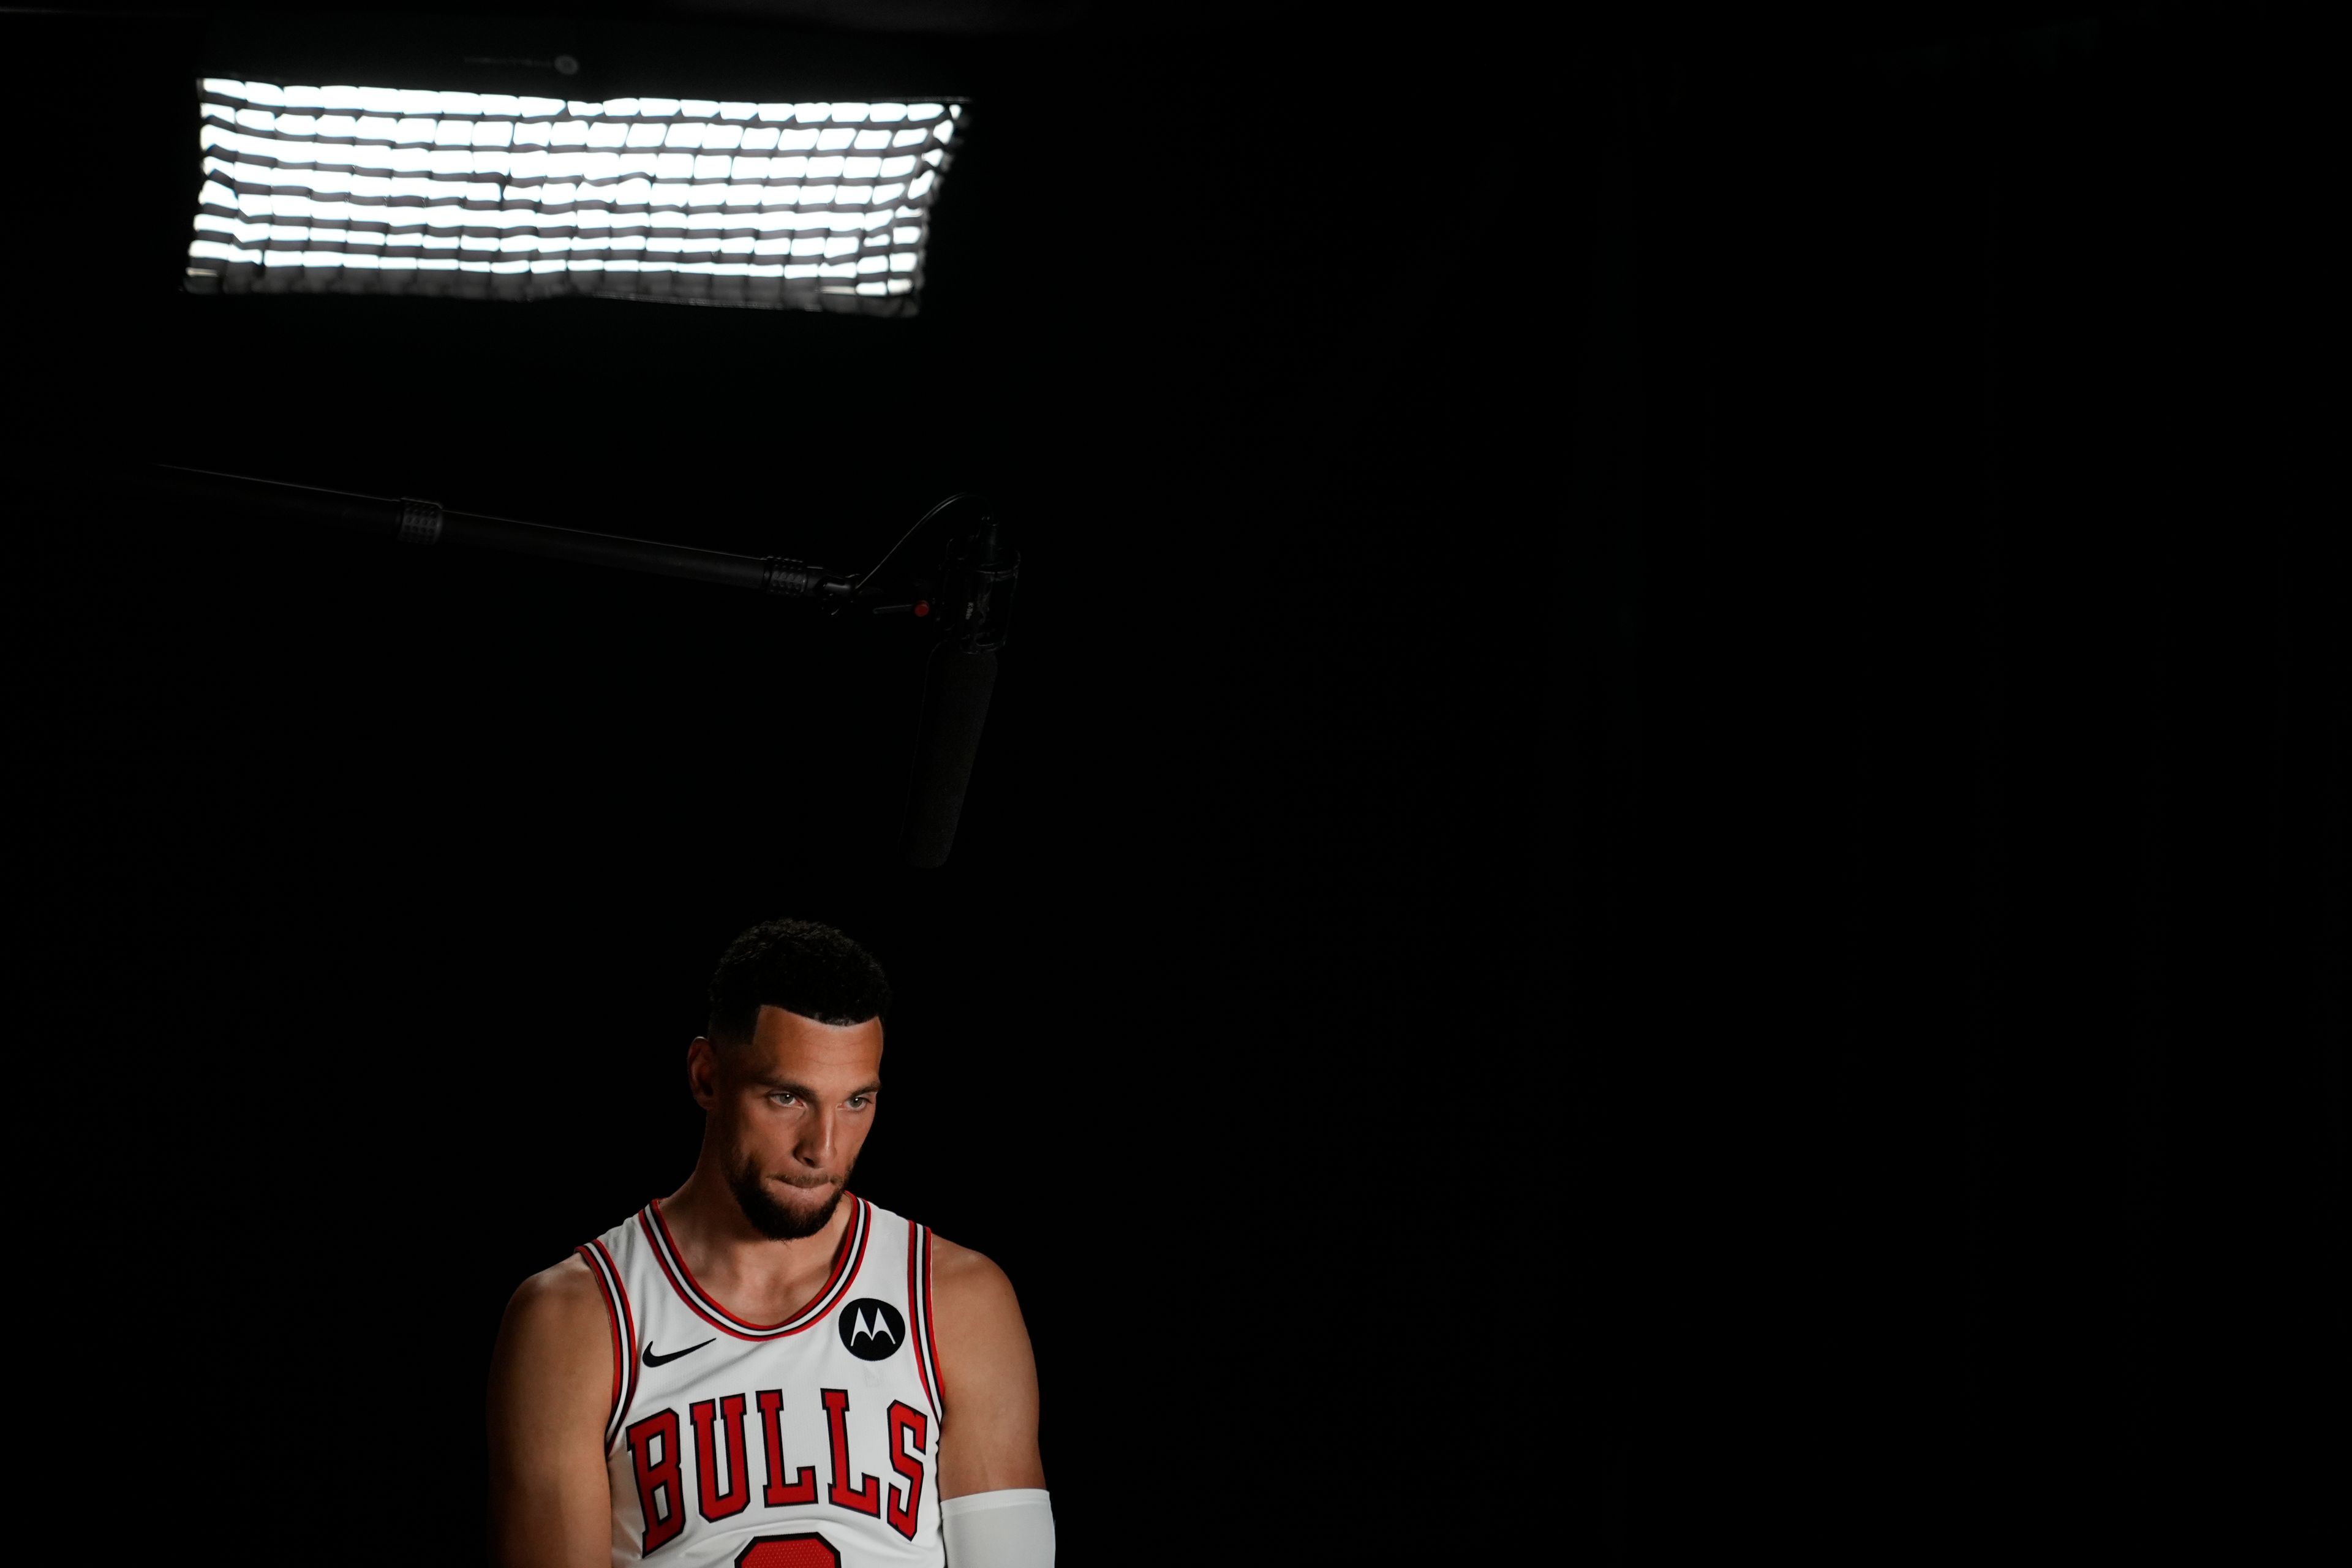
(822, 206)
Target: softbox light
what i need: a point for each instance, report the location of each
(809, 206)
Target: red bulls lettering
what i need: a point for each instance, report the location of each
(780, 1492)
(721, 1486)
(865, 1497)
(906, 1422)
(653, 1450)
(717, 1505)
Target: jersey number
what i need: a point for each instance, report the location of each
(808, 1551)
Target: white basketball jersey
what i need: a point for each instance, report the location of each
(812, 1443)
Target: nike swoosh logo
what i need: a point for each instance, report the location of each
(653, 1360)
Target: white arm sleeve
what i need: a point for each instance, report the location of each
(1009, 1529)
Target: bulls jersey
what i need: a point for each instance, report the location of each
(812, 1443)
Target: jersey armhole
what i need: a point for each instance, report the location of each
(624, 1336)
(919, 1307)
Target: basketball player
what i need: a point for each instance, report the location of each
(764, 1370)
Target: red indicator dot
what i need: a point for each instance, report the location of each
(922, 606)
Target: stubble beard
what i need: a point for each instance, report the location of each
(773, 1219)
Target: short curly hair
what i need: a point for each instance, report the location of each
(800, 966)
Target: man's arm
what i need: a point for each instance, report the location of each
(988, 1423)
(550, 1394)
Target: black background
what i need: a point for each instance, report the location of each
(1659, 866)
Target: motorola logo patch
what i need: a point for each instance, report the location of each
(872, 1329)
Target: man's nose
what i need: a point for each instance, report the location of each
(815, 1144)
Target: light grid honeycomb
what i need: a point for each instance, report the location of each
(384, 190)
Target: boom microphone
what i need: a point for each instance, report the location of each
(956, 689)
(981, 572)
(971, 606)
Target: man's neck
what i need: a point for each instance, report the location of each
(753, 1275)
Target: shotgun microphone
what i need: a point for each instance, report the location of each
(971, 606)
(981, 572)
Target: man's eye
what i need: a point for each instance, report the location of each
(781, 1098)
(857, 1102)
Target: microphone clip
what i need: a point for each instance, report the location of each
(978, 580)
(969, 598)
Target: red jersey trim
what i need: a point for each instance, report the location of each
(931, 1333)
(612, 1321)
(845, 1264)
(623, 1324)
(914, 1310)
(628, 1345)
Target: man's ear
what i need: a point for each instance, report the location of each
(703, 1072)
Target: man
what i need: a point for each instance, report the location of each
(762, 1370)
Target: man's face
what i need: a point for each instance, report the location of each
(791, 1110)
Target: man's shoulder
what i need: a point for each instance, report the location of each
(555, 1347)
(959, 1274)
(988, 1375)
(563, 1298)
(970, 1280)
